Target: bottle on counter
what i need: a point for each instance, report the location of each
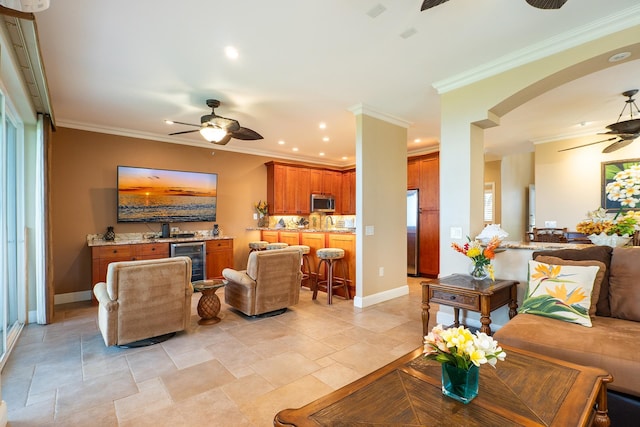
(216, 230)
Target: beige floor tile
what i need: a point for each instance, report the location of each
(263, 409)
(152, 397)
(239, 372)
(185, 383)
(284, 368)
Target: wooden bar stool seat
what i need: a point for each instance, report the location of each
(331, 258)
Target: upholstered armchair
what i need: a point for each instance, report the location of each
(144, 299)
(271, 282)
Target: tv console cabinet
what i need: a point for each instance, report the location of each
(218, 253)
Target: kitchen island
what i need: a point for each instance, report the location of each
(343, 238)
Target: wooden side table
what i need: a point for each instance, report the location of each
(461, 291)
(209, 303)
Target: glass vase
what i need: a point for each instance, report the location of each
(460, 384)
(478, 271)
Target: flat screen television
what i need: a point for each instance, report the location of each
(160, 195)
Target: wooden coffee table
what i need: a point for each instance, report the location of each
(525, 389)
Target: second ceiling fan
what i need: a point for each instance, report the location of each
(625, 131)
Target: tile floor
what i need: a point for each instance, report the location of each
(239, 372)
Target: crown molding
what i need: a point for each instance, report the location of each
(597, 29)
(359, 109)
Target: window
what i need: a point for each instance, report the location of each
(489, 202)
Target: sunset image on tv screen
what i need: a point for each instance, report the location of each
(157, 195)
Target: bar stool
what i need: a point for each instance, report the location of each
(331, 257)
(259, 245)
(306, 262)
(271, 246)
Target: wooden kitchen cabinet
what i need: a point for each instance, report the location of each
(423, 173)
(102, 256)
(348, 204)
(270, 236)
(347, 242)
(289, 237)
(219, 255)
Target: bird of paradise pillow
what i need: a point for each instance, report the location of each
(561, 292)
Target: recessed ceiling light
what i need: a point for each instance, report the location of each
(281, 142)
(295, 149)
(323, 125)
(169, 122)
(619, 56)
(321, 154)
(344, 157)
(408, 33)
(325, 139)
(416, 140)
(231, 52)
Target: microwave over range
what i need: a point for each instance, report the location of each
(323, 203)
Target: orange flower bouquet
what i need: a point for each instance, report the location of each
(480, 257)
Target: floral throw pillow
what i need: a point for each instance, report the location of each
(561, 292)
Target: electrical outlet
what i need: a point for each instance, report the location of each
(381, 271)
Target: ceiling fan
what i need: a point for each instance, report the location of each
(540, 4)
(625, 132)
(218, 129)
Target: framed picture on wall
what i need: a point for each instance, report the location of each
(626, 174)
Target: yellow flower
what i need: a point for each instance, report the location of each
(473, 252)
(560, 292)
(544, 271)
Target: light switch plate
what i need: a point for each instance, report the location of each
(255, 216)
(455, 232)
(550, 224)
(368, 230)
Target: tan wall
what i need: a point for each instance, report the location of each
(569, 183)
(84, 194)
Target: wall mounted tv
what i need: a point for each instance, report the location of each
(159, 195)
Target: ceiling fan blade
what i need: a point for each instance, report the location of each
(185, 131)
(223, 141)
(547, 4)
(173, 122)
(617, 145)
(245, 134)
(586, 145)
(428, 4)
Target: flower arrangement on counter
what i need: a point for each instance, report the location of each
(261, 207)
(460, 348)
(599, 223)
(481, 257)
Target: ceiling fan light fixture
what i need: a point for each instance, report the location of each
(213, 134)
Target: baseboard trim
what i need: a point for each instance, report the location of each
(4, 418)
(72, 297)
(362, 302)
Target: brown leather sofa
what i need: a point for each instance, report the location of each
(144, 299)
(613, 342)
(271, 282)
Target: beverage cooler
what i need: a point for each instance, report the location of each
(195, 251)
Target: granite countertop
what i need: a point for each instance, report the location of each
(543, 245)
(306, 230)
(134, 238)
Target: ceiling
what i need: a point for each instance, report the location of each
(124, 67)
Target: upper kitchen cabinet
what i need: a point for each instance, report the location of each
(289, 188)
(348, 202)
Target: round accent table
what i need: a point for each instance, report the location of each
(209, 304)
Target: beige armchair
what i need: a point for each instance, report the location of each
(271, 282)
(144, 299)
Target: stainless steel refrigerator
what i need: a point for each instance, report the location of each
(412, 232)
